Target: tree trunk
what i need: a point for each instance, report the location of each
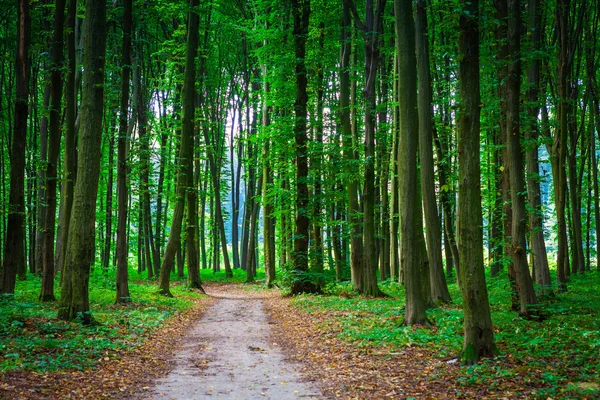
(301, 13)
(55, 132)
(518, 244)
(74, 299)
(350, 155)
(371, 30)
(122, 142)
(414, 260)
(186, 148)
(439, 288)
(14, 250)
(69, 146)
(267, 177)
(191, 223)
(536, 222)
(41, 218)
(559, 147)
(478, 330)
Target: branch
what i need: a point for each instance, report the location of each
(357, 21)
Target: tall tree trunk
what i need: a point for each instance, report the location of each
(14, 250)
(536, 223)
(191, 224)
(70, 151)
(109, 202)
(518, 244)
(186, 148)
(414, 260)
(501, 35)
(301, 13)
(235, 195)
(575, 196)
(144, 138)
(559, 147)
(478, 330)
(74, 300)
(122, 142)
(316, 161)
(268, 219)
(47, 293)
(41, 178)
(439, 288)
(371, 30)
(596, 190)
(350, 155)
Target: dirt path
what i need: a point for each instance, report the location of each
(229, 355)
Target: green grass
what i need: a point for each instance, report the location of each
(239, 276)
(31, 337)
(552, 354)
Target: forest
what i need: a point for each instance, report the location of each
(393, 189)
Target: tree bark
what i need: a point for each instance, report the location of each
(47, 293)
(14, 250)
(74, 300)
(186, 148)
(70, 151)
(478, 330)
(439, 288)
(516, 167)
(123, 295)
(267, 198)
(536, 222)
(559, 147)
(301, 13)
(350, 155)
(414, 261)
(371, 30)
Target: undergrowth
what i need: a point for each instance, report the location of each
(556, 357)
(32, 338)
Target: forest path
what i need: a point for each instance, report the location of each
(228, 354)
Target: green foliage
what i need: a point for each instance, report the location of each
(569, 337)
(239, 276)
(31, 337)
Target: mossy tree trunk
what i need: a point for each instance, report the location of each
(478, 330)
(74, 300)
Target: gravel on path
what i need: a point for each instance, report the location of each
(229, 355)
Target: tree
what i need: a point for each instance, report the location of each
(478, 331)
(370, 30)
(538, 244)
(122, 142)
(518, 244)
(186, 151)
(414, 260)
(74, 300)
(70, 133)
(55, 130)
(350, 155)
(439, 288)
(14, 251)
(301, 14)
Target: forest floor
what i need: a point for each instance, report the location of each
(229, 354)
(245, 342)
